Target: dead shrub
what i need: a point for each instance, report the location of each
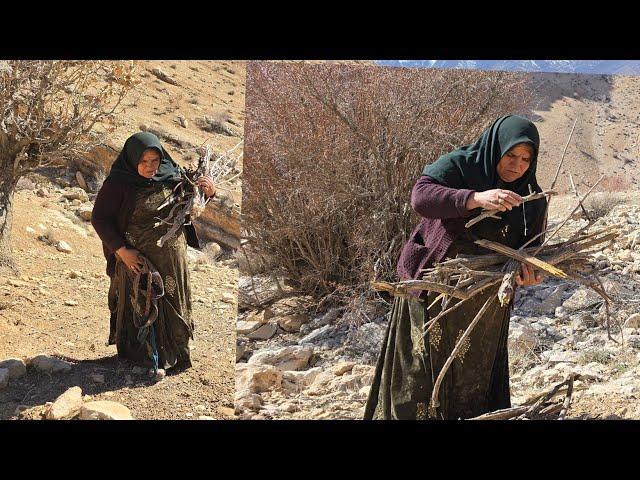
(332, 152)
(600, 204)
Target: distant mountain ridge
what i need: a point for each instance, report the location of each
(594, 67)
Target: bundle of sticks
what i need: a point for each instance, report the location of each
(187, 198)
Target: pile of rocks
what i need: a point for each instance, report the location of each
(295, 365)
(71, 404)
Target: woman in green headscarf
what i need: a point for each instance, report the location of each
(495, 172)
(125, 213)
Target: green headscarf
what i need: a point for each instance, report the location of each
(125, 168)
(474, 167)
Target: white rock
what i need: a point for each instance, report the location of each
(294, 357)
(30, 230)
(48, 364)
(105, 410)
(296, 381)
(66, 406)
(63, 246)
(228, 297)
(16, 367)
(257, 378)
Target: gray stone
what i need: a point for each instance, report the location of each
(48, 364)
(581, 299)
(264, 332)
(286, 358)
(66, 406)
(16, 367)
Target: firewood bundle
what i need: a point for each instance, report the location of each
(187, 198)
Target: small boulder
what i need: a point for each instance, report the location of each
(16, 367)
(85, 212)
(292, 323)
(64, 247)
(264, 332)
(105, 410)
(294, 357)
(48, 364)
(76, 193)
(66, 406)
(245, 327)
(256, 378)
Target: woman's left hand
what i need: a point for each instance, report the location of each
(206, 185)
(527, 276)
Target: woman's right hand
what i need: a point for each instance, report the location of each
(496, 199)
(130, 257)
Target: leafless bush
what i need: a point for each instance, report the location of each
(601, 203)
(333, 151)
(48, 114)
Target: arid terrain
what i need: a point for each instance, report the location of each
(57, 305)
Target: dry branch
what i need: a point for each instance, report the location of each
(493, 213)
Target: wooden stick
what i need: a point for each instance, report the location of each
(567, 399)
(435, 403)
(493, 213)
(567, 219)
(555, 178)
(575, 191)
(504, 414)
(528, 259)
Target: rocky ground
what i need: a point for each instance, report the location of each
(54, 320)
(294, 364)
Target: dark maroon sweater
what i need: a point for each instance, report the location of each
(110, 217)
(443, 211)
(444, 214)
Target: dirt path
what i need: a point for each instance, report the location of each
(34, 319)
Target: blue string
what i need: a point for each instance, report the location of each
(154, 354)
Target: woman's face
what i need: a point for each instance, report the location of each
(515, 163)
(149, 163)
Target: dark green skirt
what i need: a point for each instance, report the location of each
(477, 381)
